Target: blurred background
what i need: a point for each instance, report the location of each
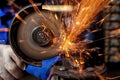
(109, 30)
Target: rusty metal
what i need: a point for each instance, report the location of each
(69, 71)
(75, 74)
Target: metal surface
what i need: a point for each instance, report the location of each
(69, 70)
(37, 37)
(74, 74)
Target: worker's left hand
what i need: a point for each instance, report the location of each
(10, 65)
(43, 71)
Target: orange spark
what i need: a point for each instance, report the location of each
(99, 75)
(34, 6)
(18, 7)
(11, 2)
(76, 61)
(4, 29)
(86, 12)
(96, 30)
(67, 54)
(37, 9)
(89, 9)
(81, 68)
(20, 18)
(102, 20)
(117, 32)
(56, 17)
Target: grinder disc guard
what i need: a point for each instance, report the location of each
(36, 38)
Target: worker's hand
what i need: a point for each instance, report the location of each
(10, 65)
(43, 71)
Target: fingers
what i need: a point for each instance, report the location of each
(12, 63)
(9, 64)
(12, 68)
(18, 62)
(5, 75)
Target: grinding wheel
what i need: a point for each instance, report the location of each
(36, 38)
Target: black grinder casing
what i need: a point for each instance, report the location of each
(21, 35)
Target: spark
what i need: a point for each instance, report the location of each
(77, 23)
(96, 30)
(4, 29)
(99, 75)
(67, 54)
(36, 9)
(87, 10)
(18, 7)
(56, 17)
(117, 31)
(88, 54)
(20, 18)
(11, 2)
(81, 68)
(86, 15)
(103, 19)
(21, 41)
(76, 61)
(107, 37)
